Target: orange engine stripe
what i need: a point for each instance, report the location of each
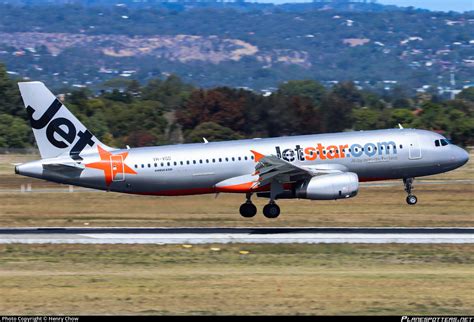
(243, 187)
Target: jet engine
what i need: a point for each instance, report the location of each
(329, 186)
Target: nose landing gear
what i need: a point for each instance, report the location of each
(411, 199)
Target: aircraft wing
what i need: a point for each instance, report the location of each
(270, 167)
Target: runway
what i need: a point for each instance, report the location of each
(276, 235)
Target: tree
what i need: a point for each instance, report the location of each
(172, 92)
(466, 94)
(14, 132)
(401, 116)
(79, 97)
(140, 116)
(348, 92)
(212, 132)
(221, 105)
(118, 96)
(134, 89)
(10, 102)
(337, 111)
(140, 138)
(400, 97)
(460, 127)
(307, 116)
(303, 88)
(432, 117)
(365, 119)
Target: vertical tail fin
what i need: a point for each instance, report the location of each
(56, 130)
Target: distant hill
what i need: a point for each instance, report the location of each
(258, 47)
(240, 5)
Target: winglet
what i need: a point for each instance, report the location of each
(205, 140)
(258, 156)
(400, 126)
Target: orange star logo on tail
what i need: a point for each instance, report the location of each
(111, 164)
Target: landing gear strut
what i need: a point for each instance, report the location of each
(411, 199)
(248, 209)
(271, 210)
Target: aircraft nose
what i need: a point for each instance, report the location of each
(463, 157)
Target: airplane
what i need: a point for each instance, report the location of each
(316, 167)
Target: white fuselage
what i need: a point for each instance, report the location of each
(199, 168)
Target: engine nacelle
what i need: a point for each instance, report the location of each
(329, 187)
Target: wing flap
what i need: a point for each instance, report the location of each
(271, 168)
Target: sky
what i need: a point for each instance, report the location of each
(437, 5)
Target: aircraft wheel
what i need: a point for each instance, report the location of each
(411, 199)
(271, 210)
(248, 210)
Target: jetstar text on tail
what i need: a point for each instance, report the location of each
(62, 127)
(335, 151)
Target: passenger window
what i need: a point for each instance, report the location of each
(194, 161)
(213, 160)
(240, 158)
(245, 158)
(200, 161)
(401, 146)
(233, 159)
(136, 166)
(252, 157)
(220, 159)
(437, 143)
(181, 162)
(227, 159)
(156, 165)
(207, 160)
(143, 166)
(162, 164)
(168, 164)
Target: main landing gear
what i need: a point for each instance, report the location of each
(271, 210)
(248, 209)
(411, 199)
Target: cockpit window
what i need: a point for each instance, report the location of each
(441, 142)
